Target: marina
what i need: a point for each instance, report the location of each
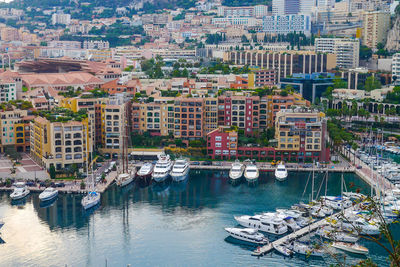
(150, 217)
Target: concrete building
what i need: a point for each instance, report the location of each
(60, 18)
(188, 122)
(14, 129)
(285, 7)
(261, 78)
(303, 131)
(96, 44)
(375, 27)
(257, 11)
(8, 90)
(396, 67)
(347, 50)
(284, 24)
(284, 63)
(60, 144)
(222, 143)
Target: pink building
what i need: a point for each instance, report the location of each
(222, 143)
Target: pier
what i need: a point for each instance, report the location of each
(292, 236)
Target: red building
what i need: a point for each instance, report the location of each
(222, 143)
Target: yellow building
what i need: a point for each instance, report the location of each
(302, 130)
(60, 144)
(210, 115)
(14, 129)
(375, 27)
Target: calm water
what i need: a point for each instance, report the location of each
(168, 225)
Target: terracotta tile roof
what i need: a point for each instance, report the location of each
(60, 79)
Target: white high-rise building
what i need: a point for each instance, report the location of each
(306, 6)
(60, 18)
(285, 7)
(396, 67)
(326, 3)
(347, 50)
(278, 7)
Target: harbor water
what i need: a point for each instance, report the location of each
(160, 225)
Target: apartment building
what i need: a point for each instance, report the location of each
(302, 131)
(210, 114)
(261, 78)
(257, 11)
(276, 103)
(14, 129)
(8, 90)
(284, 24)
(60, 144)
(188, 122)
(347, 50)
(375, 27)
(396, 67)
(284, 63)
(285, 7)
(155, 118)
(222, 143)
(240, 111)
(60, 18)
(115, 121)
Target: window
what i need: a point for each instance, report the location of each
(282, 133)
(218, 145)
(218, 138)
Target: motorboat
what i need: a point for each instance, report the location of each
(360, 226)
(162, 168)
(48, 194)
(331, 233)
(281, 172)
(268, 224)
(284, 250)
(126, 178)
(145, 171)
(20, 191)
(288, 220)
(248, 234)
(349, 247)
(337, 203)
(308, 250)
(236, 171)
(251, 173)
(180, 170)
(90, 200)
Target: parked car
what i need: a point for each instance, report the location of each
(98, 165)
(60, 185)
(217, 163)
(30, 184)
(207, 163)
(195, 163)
(359, 167)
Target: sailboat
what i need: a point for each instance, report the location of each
(125, 177)
(92, 198)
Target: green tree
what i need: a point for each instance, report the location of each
(371, 83)
(52, 172)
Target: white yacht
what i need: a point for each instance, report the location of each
(361, 226)
(248, 234)
(48, 194)
(251, 172)
(162, 168)
(268, 224)
(353, 248)
(304, 249)
(90, 200)
(236, 171)
(126, 178)
(145, 171)
(284, 250)
(281, 172)
(20, 191)
(288, 220)
(337, 203)
(180, 170)
(331, 233)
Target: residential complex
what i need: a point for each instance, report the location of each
(347, 50)
(14, 129)
(375, 27)
(284, 24)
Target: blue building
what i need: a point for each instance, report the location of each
(310, 86)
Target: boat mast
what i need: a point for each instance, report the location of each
(312, 183)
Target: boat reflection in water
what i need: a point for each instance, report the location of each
(19, 202)
(161, 187)
(47, 203)
(179, 187)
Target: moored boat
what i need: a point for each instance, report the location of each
(162, 168)
(248, 234)
(180, 170)
(236, 171)
(268, 224)
(331, 233)
(48, 194)
(349, 247)
(145, 171)
(90, 200)
(126, 178)
(251, 173)
(284, 250)
(308, 250)
(281, 172)
(20, 191)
